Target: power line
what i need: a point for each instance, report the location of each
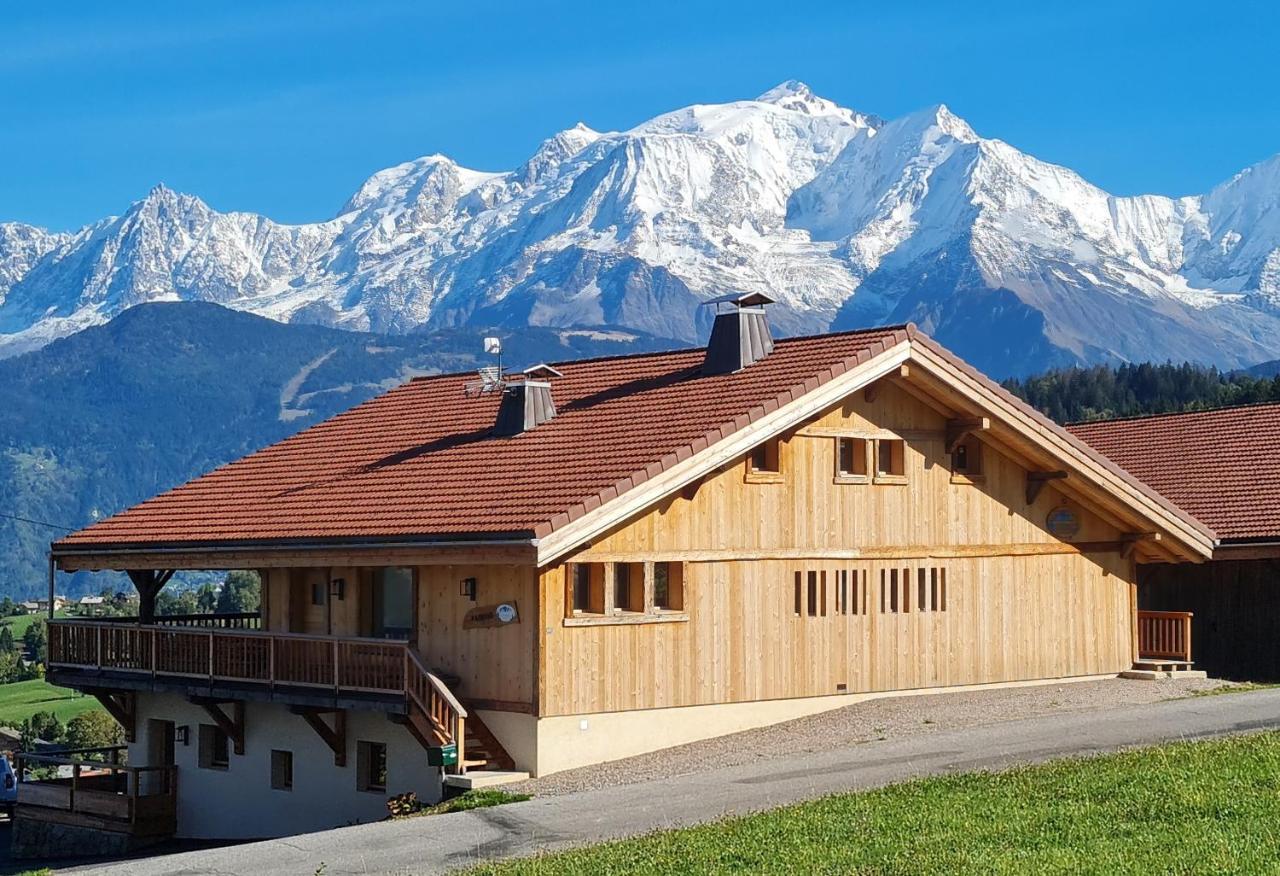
(37, 522)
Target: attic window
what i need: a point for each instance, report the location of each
(966, 460)
(764, 463)
(851, 460)
(891, 461)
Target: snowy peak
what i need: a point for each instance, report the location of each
(845, 218)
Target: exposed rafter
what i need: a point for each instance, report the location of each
(121, 705)
(1130, 540)
(149, 583)
(961, 427)
(232, 725)
(335, 737)
(1037, 479)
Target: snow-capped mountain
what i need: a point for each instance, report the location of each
(845, 218)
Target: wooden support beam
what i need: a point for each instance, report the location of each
(1037, 479)
(1130, 540)
(149, 583)
(232, 725)
(960, 427)
(121, 705)
(335, 737)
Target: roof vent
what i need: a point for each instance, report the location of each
(740, 334)
(526, 403)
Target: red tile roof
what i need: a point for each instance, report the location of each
(1221, 466)
(420, 462)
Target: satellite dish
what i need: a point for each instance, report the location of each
(493, 346)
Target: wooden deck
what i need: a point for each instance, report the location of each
(101, 793)
(253, 659)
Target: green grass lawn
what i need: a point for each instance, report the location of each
(18, 623)
(22, 699)
(1203, 807)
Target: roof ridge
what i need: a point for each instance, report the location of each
(1172, 414)
(908, 327)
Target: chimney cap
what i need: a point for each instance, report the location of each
(541, 371)
(741, 299)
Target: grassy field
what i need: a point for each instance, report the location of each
(22, 699)
(1203, 807)
(19, 622)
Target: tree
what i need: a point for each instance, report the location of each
(241, 592)
(34, 639)
(181, 602)
(7, 643)
(10, 667)
(42, 726)
(8, 607)
(94, 729)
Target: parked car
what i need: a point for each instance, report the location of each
(8, 787)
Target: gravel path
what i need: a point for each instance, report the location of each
(869, 721)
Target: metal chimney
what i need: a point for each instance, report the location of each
(740, 334)
(526, 403)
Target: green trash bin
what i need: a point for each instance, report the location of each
(445, 755)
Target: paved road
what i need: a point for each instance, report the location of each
(443, 843)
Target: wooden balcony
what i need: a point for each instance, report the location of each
(1164, 636)
(197, 660)
(101, 792)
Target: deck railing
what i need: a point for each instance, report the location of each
(1164, 635)
(139, 800)
(247, 620)
(274, 660)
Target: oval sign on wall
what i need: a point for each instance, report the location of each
(1063, 523)
(506, 613)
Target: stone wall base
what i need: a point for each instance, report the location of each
(45, 840)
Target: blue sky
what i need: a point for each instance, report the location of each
(284, 108)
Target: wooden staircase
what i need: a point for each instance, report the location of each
(484, 751)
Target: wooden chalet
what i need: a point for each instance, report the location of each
(1223, 467)
(469, 578)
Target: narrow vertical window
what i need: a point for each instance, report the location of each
(813, 594)
(581, 574)
(823, 594)
(799, 594)
(933, 588)
(893, 591)
(282, 770)
(944, 589)
(922, 604)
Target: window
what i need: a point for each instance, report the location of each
(394, 595)
(929, 584)
(214, 752)
(628, 587)
(851, 592)
(890, 460)
(371, 766)
(668, 586)
(764, 463)
(966, 459)
(811, 594)
(586, 589)
(282, 770)
(851, 460)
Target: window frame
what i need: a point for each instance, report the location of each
(772, 452)
(281, 769)
(860, 448)
(367, 766)
(213, 748)
(898, 460)
(641, 593)
(971, 447)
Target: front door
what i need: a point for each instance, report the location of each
(395, 600)
(160, 752)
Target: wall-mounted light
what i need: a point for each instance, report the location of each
(467, 589)
(182, 735)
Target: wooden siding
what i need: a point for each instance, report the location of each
(1233, 605)
(1021, 603)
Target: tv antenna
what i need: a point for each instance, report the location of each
(489, 378)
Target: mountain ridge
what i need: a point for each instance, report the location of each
(848, 219)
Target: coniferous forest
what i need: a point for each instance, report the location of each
(1102, 392)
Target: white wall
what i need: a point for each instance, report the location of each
(239, 802)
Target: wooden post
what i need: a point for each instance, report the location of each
(75, 783)
(335, 666)
(1186, 637)
(211, 658)
(271, 662)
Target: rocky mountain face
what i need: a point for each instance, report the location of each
(847, 219)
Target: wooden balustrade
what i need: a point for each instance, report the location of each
(351, 665)
(1164, 635)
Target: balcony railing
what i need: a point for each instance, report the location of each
(109, 794)
(249, 620)
(273, 660)
(1164, 635)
